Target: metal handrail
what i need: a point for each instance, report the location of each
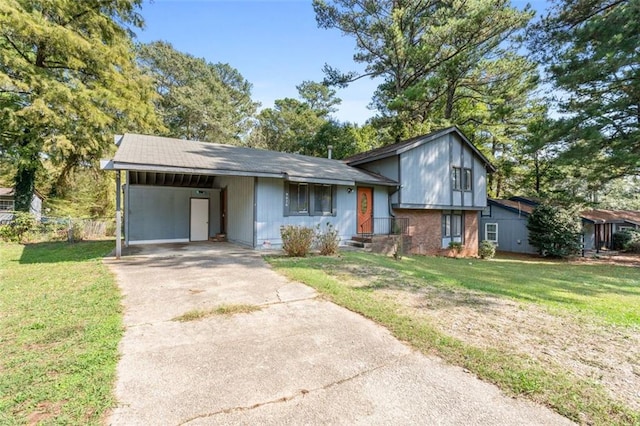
(384, 226)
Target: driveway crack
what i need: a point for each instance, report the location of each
(300, 393)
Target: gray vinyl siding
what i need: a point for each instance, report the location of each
(36, 207)
(270, 213)
(425, 174)
(240, 208)
(588, 230)
(214, 212)
(381, 210)
(479, 184)
(513, 235)
(387, 167)
(156, 213)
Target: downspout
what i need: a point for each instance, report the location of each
(389, 200)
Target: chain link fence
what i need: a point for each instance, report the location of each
(24, 228)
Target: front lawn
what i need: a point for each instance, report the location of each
(520, 324)
(60, 322)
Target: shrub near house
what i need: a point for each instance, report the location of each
(555, 231)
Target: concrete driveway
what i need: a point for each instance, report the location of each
(298, 360)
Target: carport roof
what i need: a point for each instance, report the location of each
(168, 155)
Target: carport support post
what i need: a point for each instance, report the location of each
(118, 217)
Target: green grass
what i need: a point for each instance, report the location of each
(60, 324)
(610, 294)
(604, 292)
(227, 310)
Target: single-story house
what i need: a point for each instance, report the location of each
(600, 225)
(7, 205)
(504, 223)
(431, 187)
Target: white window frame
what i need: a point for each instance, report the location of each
(486, 232)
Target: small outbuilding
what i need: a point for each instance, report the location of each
(7, 205)
(504, 223)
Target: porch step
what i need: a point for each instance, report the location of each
(358, 244)
(362, 239)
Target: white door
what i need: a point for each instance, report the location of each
(199, 219)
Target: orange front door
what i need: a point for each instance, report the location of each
(365, 210)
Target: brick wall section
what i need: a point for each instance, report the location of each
(470, 234)
(425, 229)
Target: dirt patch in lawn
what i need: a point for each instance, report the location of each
(618, 259)
(605, 354)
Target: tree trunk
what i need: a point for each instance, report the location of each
(536, 162)
(25, 179)
(451, 92)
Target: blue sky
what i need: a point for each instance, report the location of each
(275, 44)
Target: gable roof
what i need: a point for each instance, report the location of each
(161, 154)
(8, 192)
(525, 205)
(400, 147)
(515, 206)
(599, 216)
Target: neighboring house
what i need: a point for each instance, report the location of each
(443, 186)
(7, 205)
(504, 223)
(600, 225)
(181, 191)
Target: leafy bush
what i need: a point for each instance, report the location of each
(555, 231)
(328, 240)
(487, 249)
(620, 240)
(456, 247)
(633, 245)
(78, 231)
(20, 225)
(296, 240)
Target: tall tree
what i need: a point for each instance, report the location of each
(287, 127)
(292, 124)
(432, 55)
(197, 99)
(68, 81)
(590, 49)
(319, 97)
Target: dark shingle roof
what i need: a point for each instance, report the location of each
(400, 147)
(525, 205)
(611, 216)
(154, 153)
(512, 205)
(8, 192)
